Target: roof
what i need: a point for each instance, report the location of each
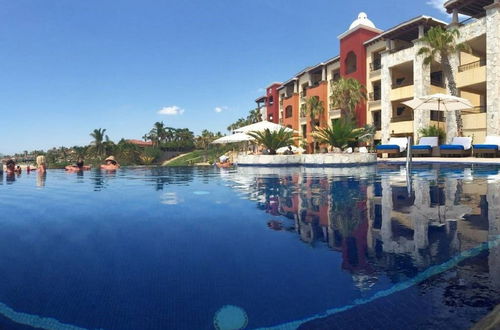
(261, 99)
(474, 8)
(140, 143)
(274, 83)
(407, 30)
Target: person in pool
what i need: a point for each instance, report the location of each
(41, 164)
(79, 166)
(11, 167)
(110, 164)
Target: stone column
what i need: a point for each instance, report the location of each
(323, 73)
(493, 69)
(421, 85)
(385, 96)
(451, 121)
(296, 86)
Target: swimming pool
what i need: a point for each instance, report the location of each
(187, 248)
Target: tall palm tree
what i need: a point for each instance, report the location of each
(254, 116)
(346, 95)
(441, 44)
(314, 108)
(98, 135)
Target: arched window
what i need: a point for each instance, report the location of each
(288, 111)
(351, 62)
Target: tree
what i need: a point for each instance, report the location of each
(314, 108)
(346, 95)
(441, 44)
(342, 134)
(273, 140)
(99, 138)
(254, 116)
(204, 140)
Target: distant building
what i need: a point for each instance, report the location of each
(140, 143)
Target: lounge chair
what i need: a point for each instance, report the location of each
(489, 147)
(395, 146)
(424, 146)
(460, 146)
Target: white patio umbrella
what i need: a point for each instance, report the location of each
(262, 126)
(294, 149)
(439, 102)
(233, 138)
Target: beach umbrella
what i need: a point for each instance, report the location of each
(262, 126)
(233, 138)
(294, 149)
(439, 102)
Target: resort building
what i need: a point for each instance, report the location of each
(386, 62)
(268, 104)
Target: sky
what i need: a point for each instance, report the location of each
(68, 67)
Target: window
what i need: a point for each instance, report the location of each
(271, 100)
(288, 111)
(304, 130)
(351, 63)
(377, 119)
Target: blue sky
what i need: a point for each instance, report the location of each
(68, 67)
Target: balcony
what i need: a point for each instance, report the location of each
(471, 74)
(398, 119)
(375, 68)
(402, 91)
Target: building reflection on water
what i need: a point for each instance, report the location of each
(378, 225)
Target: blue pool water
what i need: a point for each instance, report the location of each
(314, 248)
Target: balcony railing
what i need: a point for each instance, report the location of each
(473, 65)
(402, 84)
(477, 109)
(437, 83)
(398, 119)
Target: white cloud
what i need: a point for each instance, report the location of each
(438, 4)
(220, 109)
(171, 111)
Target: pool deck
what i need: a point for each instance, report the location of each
(442, 160)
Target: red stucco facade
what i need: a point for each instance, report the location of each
(353, 42)
(272, 103)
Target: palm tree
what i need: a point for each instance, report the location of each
(314, 108)
(346, 95)
(254, 116)
(442, 43)
(342, 134)
(273, 140)
(98, 136)
(203, 142)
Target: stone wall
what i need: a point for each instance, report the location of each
(493, 69)
(332, 159)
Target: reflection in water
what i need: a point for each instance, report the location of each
(40, 179)
(378, 226)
